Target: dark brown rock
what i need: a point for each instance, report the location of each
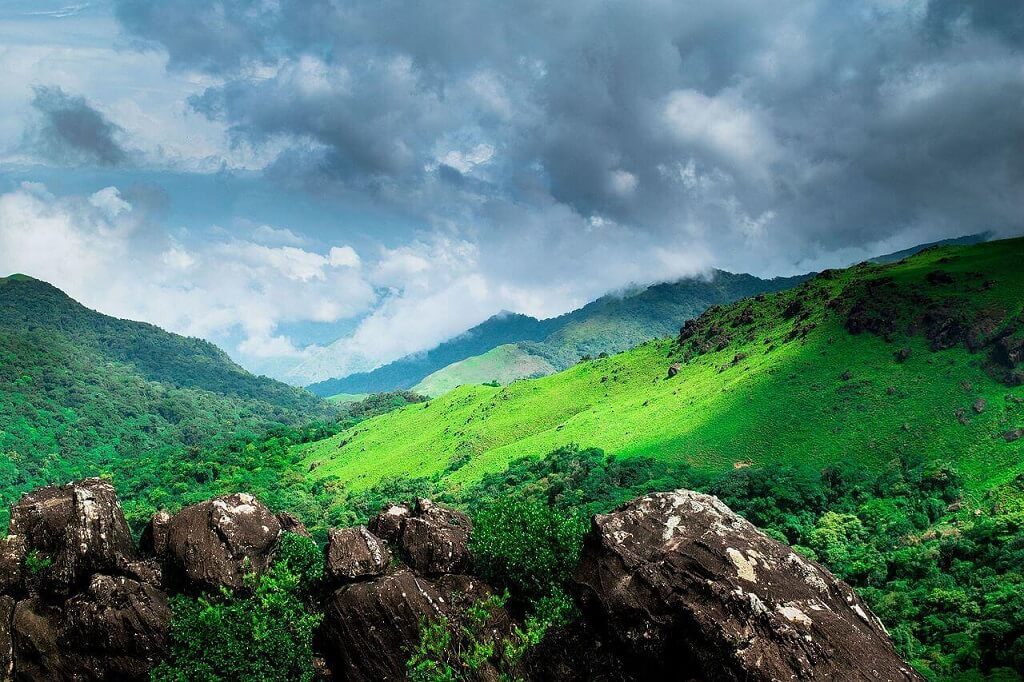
(388, 523)
(217, 542)
(673, 369)
(6, 638)
(902, 354)
(290, 523)
(1013, 435)
(12, 558)
(793, 308)
(118, 627)
(577, 652)
(371, 626)
(354, 553)
(78, 529)
(979, 405)
(681, 583)
(153, 541)
(435, 539)
(35, 630)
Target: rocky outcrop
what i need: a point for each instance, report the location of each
(435, 539)
(372, 621)
(680, 582)
(370, 627)
(77, 602)
(72, 532)
(388, 523)
(217, 542)
(671, 584)
(354, 553)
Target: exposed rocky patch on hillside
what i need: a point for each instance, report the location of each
(669, 582)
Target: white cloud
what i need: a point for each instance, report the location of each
(622, 183)
(101, 253)
(724, 126)
(277, 236)
(110, 202)
(343, 257)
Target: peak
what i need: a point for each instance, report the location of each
(18, 277)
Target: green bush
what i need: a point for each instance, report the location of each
(526, 546)
(265, 634)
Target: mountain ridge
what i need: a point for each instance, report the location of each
(541, 338)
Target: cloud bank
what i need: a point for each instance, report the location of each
(762, 132)
(537, 155)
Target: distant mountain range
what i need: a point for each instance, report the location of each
(511, 346)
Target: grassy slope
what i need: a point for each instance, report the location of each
(786, 401)
(610, 324)
(503, 364)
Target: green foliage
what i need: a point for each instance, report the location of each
(458, 648)
(266, 634)
(471, 645)
(529, 547)
(36, 563)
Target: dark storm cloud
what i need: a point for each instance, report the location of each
(71, 131)
(765, 133)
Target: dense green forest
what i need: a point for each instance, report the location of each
(82, 393)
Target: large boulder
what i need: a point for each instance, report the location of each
(119, 627)
(681, 583)
(388, 523)
(371, 627)
(217, 542)
(435, 539)
(73, 531)
(38, 654)
(353, 554)
(153, 541)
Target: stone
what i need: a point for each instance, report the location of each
(388, 523)
(435, 539)
(217, 542)
(355, 553)
(78, 529)
(680, 582)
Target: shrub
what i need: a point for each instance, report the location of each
(266, 634)
(526, 546)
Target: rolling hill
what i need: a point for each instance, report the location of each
(82, 393)
(610, 324)
(873, 362)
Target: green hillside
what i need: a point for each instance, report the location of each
(503, 365)
(408, 371)
(82, 393)
(610, 324)
(810, 376)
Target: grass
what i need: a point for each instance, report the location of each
(503, 364)
(760, 399)
(342, 398)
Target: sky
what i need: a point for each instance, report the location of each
(278, 175)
